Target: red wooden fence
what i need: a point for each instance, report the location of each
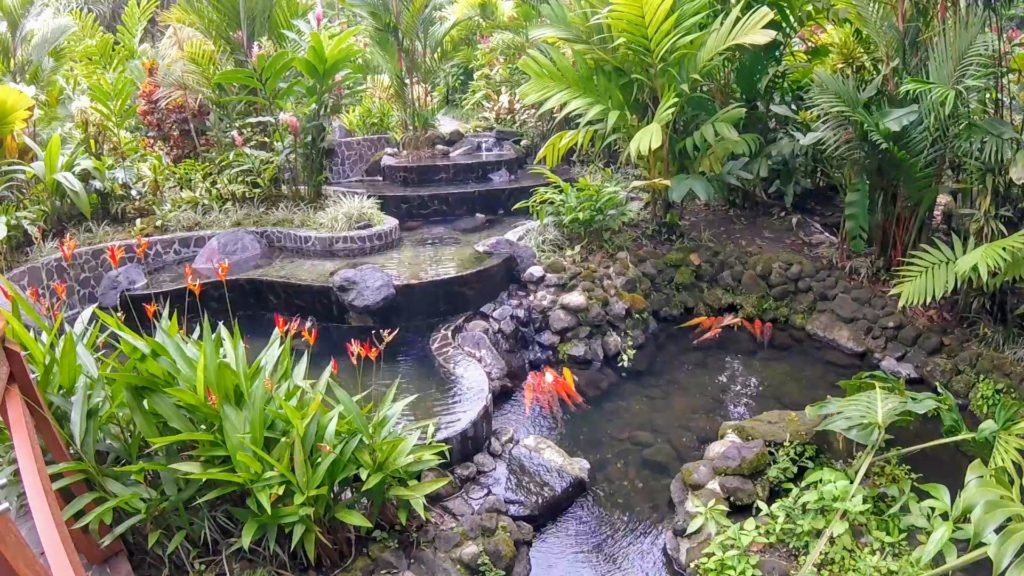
(28, 421)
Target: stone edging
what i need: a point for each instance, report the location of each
(89, 265)
(469, 434)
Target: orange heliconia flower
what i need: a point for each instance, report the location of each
(141, 247)
(34, 295)
(195, 287)
(370, 351)
(151, 310)
(60, 288)
(309, 335)
(189, 275)
(6, 293)
(293, 326)
(281, 323)
(68, 244)
(547, 388)
(211, 398)
(334, 365)
(223, 268)
(114, 255)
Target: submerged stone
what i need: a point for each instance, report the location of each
(774, 426)
(827, 327)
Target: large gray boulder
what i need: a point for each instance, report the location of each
(524, 255)
(537, 480)
(825, 326)
(774, 426)
(127, 278)
(731, 456)
(243, 250)
(364, 289)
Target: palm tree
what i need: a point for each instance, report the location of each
(408, 41)
(630, 76)
(234, 25)
(32, 48)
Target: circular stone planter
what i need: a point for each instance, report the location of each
(88, 267)
(450, 169)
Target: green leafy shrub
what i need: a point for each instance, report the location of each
(194, 444)
(987, 395)
(347, 212)
(588, 211)
(788, 461)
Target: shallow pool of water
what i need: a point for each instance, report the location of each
(435, 250)
(638, 434)
(407, 359)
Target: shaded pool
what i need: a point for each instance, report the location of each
(407, 359)
(638, 434)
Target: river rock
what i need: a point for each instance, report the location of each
(732, 456)
(846, 308)
(903, 370)
(697, 475)
(479, 348)
(738, 490)
(929, 343)
(474, 223)
(533, 274)
(498, 245)
(561, 321)
(127, 278)
(364, 289)
(827, 327)
(751, 284)
(574, 301)
(243, 250)
(774, 427)
(908, 335)
(537, 479)
(660, 458)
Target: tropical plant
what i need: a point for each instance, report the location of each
(193, 446)
(407, 41)
(629, 74)
(327, 62)
(588, 210)
(32, 43)
(52, 181)
(235, 26)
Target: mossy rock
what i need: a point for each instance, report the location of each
(762, 264)
(684, 276)
(637, 303)
(679, 256)
(774, 426)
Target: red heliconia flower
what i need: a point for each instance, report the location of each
(114, 255)
(68, 244)
(211, 399)
(34, 295)
(60, 289)
(353, 348)
(151, 309)
(293, 326)
(334, 365)
(6, 293)
(141, 248)
(223, 268)
(281, 323)
(309, 335)
(195, 287)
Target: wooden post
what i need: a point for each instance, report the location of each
(28, 419)
(16, 557)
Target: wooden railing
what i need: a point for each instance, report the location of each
(28, 421)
